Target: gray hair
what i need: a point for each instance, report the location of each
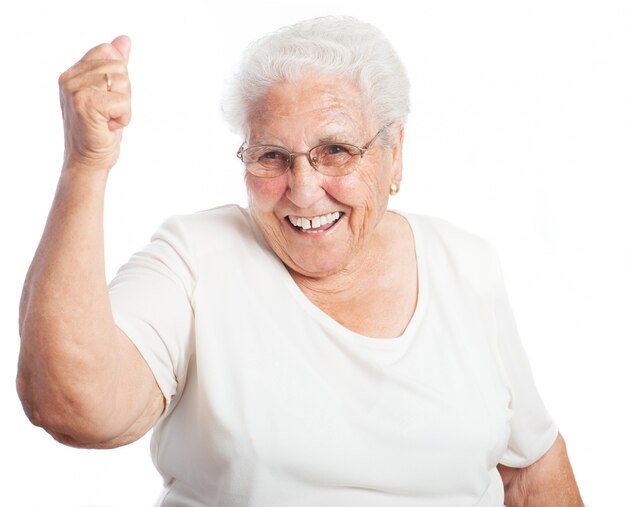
(333, 45)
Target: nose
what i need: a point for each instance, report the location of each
(304, 183)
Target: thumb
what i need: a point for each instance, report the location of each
(122, 44)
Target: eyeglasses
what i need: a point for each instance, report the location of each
(330, 159)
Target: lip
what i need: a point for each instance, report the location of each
(314, 233)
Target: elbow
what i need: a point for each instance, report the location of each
(68, 429)
(28, 403)
(49, 401)
(36, 404)
(64, 389)
(65, 420)
(27, 394)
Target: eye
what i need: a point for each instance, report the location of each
(334, 154)
(333, 149)
(272, 155)
(267, 156)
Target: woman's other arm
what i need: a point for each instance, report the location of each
(549, 482)
(79, 376)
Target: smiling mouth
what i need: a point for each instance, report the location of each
(315, 224)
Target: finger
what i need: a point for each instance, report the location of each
(120, 113)
(119, 84)
(82, 69)
(122, 44)
(111, 83)
(96, 108)
(108, 51)
(99, 81)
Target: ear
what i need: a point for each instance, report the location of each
(396, 155)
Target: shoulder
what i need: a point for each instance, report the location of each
(444, 234)
(224, 219)
(217, 237)
(446, 246)
(223, 227)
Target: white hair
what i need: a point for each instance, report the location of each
(333, 45)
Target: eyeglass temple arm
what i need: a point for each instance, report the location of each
(240, 151)
(369, 145)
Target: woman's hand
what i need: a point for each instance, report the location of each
(95, 100)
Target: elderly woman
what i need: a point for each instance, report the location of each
(312, 349)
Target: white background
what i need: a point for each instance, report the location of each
(517, 133)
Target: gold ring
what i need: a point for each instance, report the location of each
(109, 82)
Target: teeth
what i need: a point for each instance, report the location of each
(314, 222)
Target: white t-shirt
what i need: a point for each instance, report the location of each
(273, 403)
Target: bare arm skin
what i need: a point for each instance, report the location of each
(79, 376)
(549, 482)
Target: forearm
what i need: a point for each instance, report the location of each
(66, 326)
(548, 482)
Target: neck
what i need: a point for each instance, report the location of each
(346, 281)
(355, 278)
(376, 295)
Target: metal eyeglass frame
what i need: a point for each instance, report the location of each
(312, 161)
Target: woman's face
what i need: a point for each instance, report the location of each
(298, 116)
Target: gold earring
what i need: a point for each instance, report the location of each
(393, 188)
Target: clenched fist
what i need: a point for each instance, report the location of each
(95, 100)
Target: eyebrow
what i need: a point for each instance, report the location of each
(338, 136)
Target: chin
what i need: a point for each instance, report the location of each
(318, 258)
(307, 252)
(313, 268)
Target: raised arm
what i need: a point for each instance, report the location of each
(79, 376)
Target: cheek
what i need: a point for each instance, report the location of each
(264, 193)
(364, 189)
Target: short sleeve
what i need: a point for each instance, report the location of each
(533, 431)
(151, 298)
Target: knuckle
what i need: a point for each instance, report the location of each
(68, 84)
(120, 67)
(124, 86)
(63, 78)
(67, 75)
(82, 99)
(101, 50)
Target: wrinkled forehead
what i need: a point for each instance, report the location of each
(311, 107)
